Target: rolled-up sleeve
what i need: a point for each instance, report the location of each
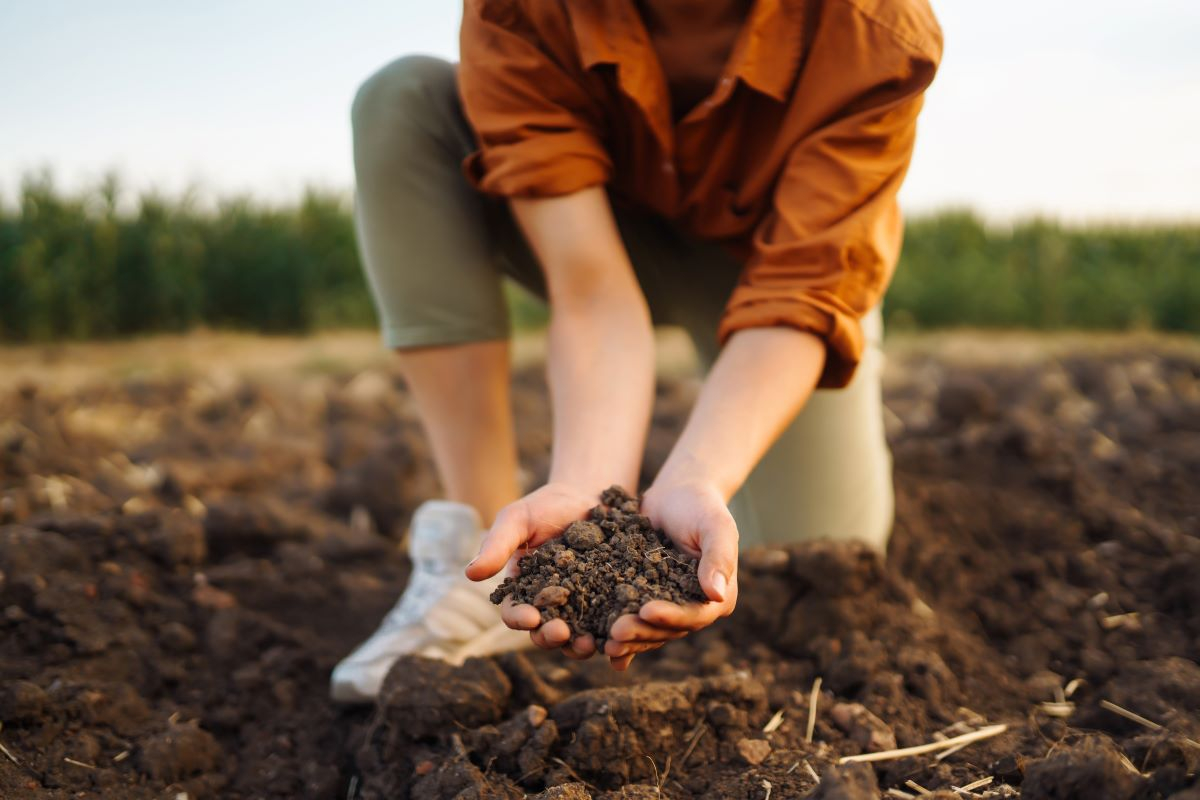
(539, 132)
(823, 256)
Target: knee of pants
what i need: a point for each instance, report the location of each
(392, 103)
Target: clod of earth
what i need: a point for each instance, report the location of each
(865, 729)
(753, 751)
(551, 597)
(601, 568)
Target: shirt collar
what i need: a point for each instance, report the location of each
(767, 52)
(603, 30)
(765, 55)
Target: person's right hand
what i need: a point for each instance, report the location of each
(536, 518)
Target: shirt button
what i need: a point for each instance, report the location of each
(726, 81)
(668, 167)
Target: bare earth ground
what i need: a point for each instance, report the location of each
(193, 530)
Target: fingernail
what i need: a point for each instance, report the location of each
(720, 584)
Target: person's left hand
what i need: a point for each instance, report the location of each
(695, 517)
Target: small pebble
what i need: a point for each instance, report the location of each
(551, 597)
(754, 751)
(536, 715)
(625, 593)
(870, 732)
(583, 535)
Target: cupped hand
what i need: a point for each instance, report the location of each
(695, 517)
(534, 519)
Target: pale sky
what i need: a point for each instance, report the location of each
(1071, 108)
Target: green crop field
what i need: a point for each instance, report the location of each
(95, 264)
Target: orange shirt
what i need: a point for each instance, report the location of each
(793, 162)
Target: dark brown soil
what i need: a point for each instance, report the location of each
(182, 562)
(601, 568)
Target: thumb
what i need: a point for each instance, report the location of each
(508, 533)
(718, 555)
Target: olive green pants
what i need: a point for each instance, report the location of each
(436, 254)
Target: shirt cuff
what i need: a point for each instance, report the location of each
(838, 327)
(548, 165)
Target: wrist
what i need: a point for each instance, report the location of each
(585, 482)
(687, 469)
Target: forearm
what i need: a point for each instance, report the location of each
(601, 343)
(601, 374)
(760, 381)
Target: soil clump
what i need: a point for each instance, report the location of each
(601, 568)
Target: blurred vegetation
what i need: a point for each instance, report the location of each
(1041, 274)
(94, 265)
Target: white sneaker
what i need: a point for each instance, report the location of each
(442, 614)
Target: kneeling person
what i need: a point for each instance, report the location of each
(730, 168)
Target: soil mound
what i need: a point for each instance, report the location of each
(182, 562)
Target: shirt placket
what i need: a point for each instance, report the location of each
(641, 79)
(691, 132)
(683, 143)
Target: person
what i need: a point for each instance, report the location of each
(728, 166)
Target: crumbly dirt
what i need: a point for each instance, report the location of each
(603, 567)
(183, 560)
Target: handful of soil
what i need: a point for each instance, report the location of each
(602, 568)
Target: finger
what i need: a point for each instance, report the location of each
(539, 640)
(689, 617)
(580, 648)
(646, 647)
(511, 530)
(617, 649)
(631, 628)
(519, 616)
(621, 664)
(553, 633)
(718, 554)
